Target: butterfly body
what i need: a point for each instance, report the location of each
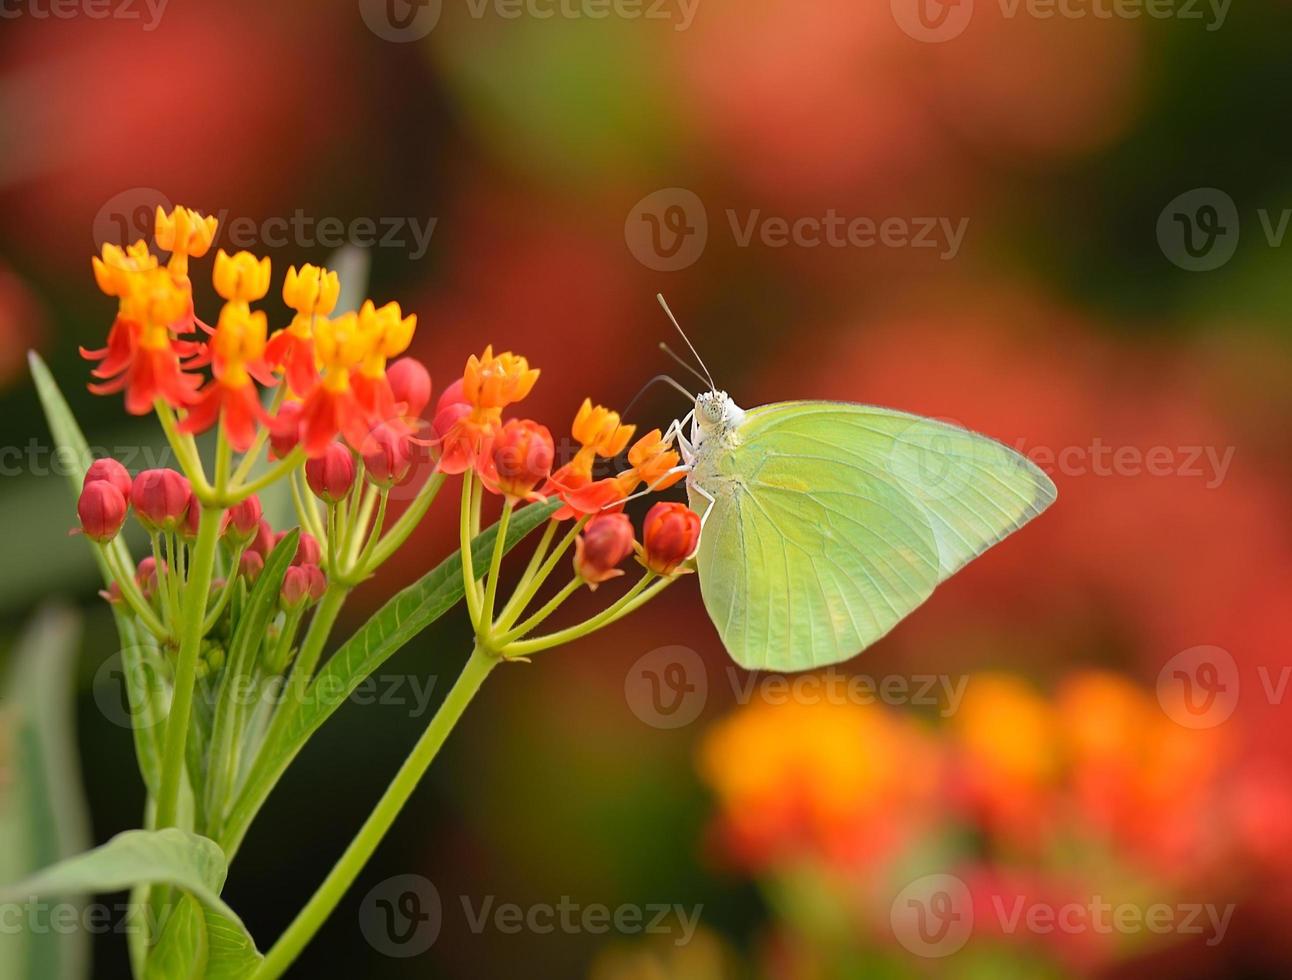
(826, 523)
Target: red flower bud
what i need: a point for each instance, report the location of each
(161, 499)
(146, 577)
(250, 565)
(307, 549)
(285, 429)
(388, 455)
(102, 510)
(263, 543)
(331, 475)
(669, 536)
(410, 383)
(110, 470)
(295, 592)
(522, 457)
(317, 581)
(242, 520)
(188, 529)
(605, 542)
(112, 594)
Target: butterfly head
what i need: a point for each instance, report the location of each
(715, 411)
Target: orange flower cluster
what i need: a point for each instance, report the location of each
(334, 367)
(515, 457)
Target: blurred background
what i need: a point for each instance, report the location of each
(1059, 224)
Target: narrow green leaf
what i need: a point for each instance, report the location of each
(248, 637)
(142, 683)
(170, 857)
(181, 952)
(405, 615)
(42, 811)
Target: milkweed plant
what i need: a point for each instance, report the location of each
(224, 619)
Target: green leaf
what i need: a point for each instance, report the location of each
(181, 951)
(405, 615)
(168, 857)
(230, 712)
(42, 811)
(143, 685)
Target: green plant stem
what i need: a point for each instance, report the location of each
(190, 643)
(306, 511)
(495, 565)
(133, 597)
(343, 874)
(509, 612)
(469, 587)
(408, 520)
(185, 450)
(630, 600)
(536, 620)
(230, 581)
(289, 463)
(525, 595)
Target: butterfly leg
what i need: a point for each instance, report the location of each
(683, 468)
(707, 496)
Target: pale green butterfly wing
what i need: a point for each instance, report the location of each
(833, 521)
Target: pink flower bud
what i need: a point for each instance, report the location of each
(102, 510)
(250, 565)
(522, 457)
(307, 549)
(285, 429)
(242, 520)
(331, 475)
(669, 536)
(161, 499)
(112, 594)
(111, 471)
(410, 383)
(317, 581)
(605, 542)
(188, 529)
(295, 592)
(146, 577)
(264, 541)
(387, 455)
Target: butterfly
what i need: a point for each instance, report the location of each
(824, 524)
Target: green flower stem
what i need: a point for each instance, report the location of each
(306, 511)
(540, 552)
(223, 460)
(230, 581)
(288, 464)
(408, 520)
(333, 532)
(358, 537)
(638, 595)
(190, 643)
(524, 596)
(134, 598)
(163, 572)
(536, 620)
(253, 451)
(185, 450)
(495, 564)
(347, 869)
(470, 588)
(360, 567)
(477, 506)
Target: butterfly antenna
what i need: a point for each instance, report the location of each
(658, 379)
(698, 358)
(673, 354)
